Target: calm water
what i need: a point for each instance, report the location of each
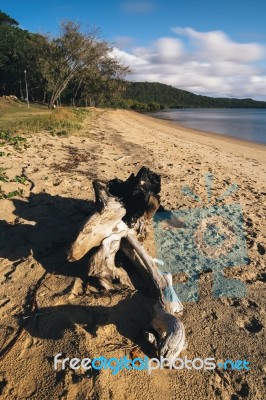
(246, 124)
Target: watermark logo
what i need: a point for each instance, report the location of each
(203, 238)
(146, 364)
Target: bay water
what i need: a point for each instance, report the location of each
(241, 123)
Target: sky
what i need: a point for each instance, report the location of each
(215, 48)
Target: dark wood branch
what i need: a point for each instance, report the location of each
(139, 194)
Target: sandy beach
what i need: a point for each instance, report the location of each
(73, 318)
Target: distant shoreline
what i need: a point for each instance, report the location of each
(179, 125)
(166, 95)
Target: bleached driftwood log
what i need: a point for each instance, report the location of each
(120, 219)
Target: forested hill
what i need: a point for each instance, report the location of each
(168, 96)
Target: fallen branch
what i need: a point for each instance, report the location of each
(123, 210)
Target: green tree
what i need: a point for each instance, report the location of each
(65, 58)
(18, 53)
(105, 82)
(7, 20)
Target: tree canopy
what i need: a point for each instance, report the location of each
(7, 20)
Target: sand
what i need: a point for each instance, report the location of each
(73, 317)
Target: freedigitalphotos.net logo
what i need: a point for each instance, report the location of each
(146, 364)
(203, 238)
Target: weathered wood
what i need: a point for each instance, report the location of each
(160, 284)
(120, 220)
(102, 263)
(166, 331)
(98, 226)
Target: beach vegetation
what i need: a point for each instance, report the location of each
(61, 122)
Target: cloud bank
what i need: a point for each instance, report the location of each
(201, 62)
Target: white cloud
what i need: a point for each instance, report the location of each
(130, 59)
(258, 79)
(169, 49)
(164, 51)
(205, 63)
(218, 46)
(138, 7)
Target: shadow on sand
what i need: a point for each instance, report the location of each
(45, 226)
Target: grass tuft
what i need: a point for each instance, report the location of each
(62, 121)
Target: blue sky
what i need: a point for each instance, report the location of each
(207, 47)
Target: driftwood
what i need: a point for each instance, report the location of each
(123, 209)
